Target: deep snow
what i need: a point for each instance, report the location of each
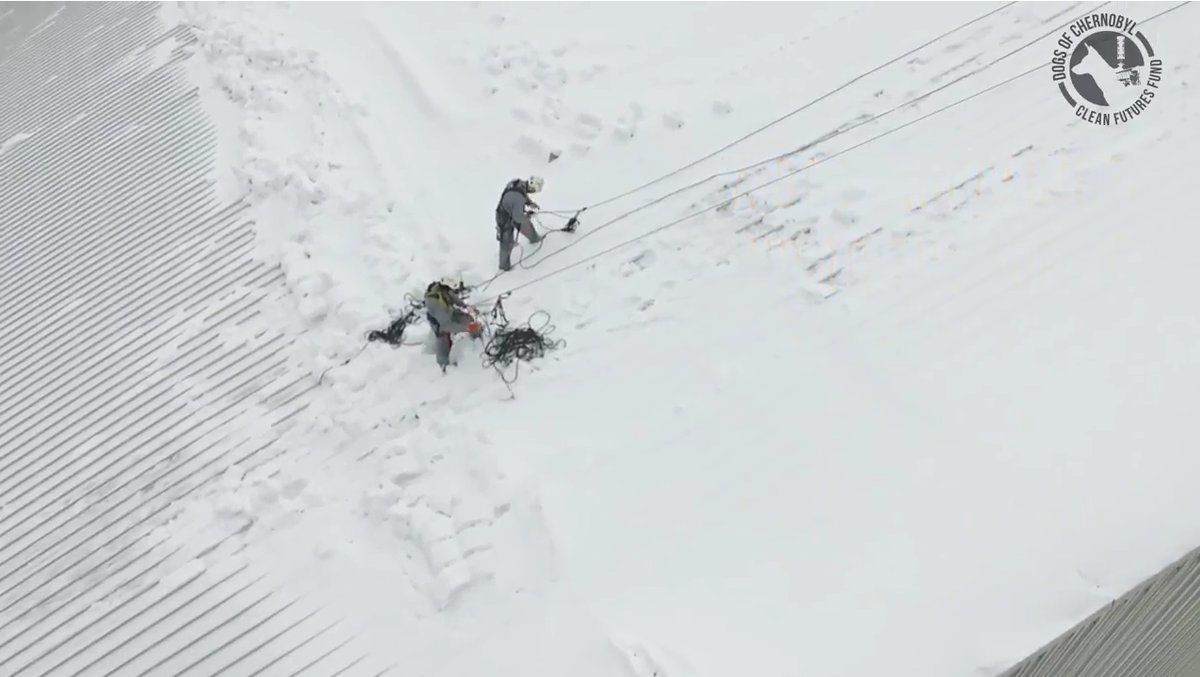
(909, 411)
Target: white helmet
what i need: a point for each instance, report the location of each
(449, 282)
(534, 184)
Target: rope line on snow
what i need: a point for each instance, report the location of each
(796, 111)
(519, 249)
(523, 254)
(812, 164)
(811, 144)
(562, 213)
(527, 346)
(507, 344)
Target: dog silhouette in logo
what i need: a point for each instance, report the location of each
(1108, 79)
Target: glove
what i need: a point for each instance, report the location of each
(475, 329)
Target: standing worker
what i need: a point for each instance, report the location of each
(448, 315)
(513, 216)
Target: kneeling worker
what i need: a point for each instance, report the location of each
(447, 316)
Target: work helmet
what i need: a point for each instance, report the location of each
(449, 282)
(534, 184)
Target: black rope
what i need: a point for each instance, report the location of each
(505, 346)
(573, 221)
(508, 345)
(863, 120)
(571, 225)
(531, 343)
(394, 333)
(810, 165)
(828, 136)
(801, 109)
(348, 360)
(520, 343)
(843, 129)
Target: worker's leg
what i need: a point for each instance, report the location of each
(444, 344)
(506, 247)
(457, 323)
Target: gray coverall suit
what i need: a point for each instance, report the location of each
(511, 218)
(446, 320)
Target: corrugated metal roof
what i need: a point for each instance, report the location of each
(1150, 631)
(118, 271)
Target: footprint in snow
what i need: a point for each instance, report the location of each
(844, 218)
(624, 132)
(591, 72)
(552, 78)
(588, 126)
(292, 490)
(536, 147)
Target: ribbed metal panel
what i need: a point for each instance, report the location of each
(118, 397)
(1151, 631)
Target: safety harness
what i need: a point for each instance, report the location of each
(504, 220)
(441, 293)
(444, 296)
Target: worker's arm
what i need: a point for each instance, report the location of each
(514, 203)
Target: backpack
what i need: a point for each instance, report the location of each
(440, 293)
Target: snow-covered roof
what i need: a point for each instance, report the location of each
(899, 382)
